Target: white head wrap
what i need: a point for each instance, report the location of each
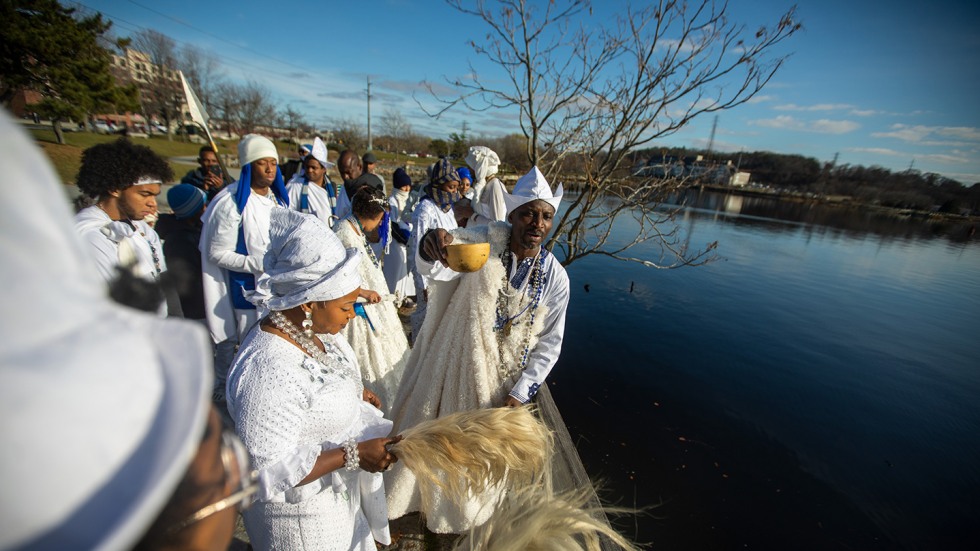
(254, 147)
(530, 187)
(305, 262)
(484, 163)
(102, 407)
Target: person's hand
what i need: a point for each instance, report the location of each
(512, 402)
(374, 455)
(371, 398)
(213, 181)
(371, 296)
(434, 244)
(462, 209)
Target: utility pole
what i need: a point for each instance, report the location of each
(711, 140)
(369, 111)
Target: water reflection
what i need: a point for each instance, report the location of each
(847, 221)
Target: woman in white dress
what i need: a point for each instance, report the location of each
(401, 204)
(313, 432)
(376, 335)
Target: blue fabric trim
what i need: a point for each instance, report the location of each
(239, 282)
(245, 188)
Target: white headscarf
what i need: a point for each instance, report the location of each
(102, 408)
(305, 262)
(530, 187)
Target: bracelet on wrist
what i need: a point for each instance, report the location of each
(352, 460)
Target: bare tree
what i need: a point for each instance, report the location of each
(293, 120)
(255, 107)
(160, 93)
(350, 133)
(396, 127)
(589, 94)
(203, 71)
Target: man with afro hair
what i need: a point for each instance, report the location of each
(124, 180)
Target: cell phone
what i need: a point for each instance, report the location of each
(215, 169)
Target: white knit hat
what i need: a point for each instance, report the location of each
(102, 408)
(530, 187)
(305, 262)
(254, 147)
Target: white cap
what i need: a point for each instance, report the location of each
(102, 408)
(320, 152)
(530, 187)
(254, 147)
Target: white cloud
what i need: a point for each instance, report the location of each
(825, 126)
(817, 107)
(863, 112)
(821, 126)
(919, 134)
(761, 99)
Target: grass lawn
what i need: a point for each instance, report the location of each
(67, 158)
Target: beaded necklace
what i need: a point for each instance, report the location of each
(327, 357)
(367, 246)
(504, 322)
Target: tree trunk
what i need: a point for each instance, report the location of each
(58, 133)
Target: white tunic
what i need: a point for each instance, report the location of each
(288, 408)
(320, 203)
(383, 351)
(218, 242)
(461, 363)
(490, 205)
(117, 243)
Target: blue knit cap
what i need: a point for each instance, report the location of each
(185, 200)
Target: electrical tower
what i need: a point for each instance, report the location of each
(711, 140)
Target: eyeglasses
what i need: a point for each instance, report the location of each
(233, 454)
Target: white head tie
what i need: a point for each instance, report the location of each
(305, 262)
(144, 180)
(530, 187)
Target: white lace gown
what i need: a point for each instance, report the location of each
(381, 352)
(288, 408)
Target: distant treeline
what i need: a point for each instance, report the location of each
(909, 189)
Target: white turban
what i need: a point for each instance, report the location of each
(530, 187)
(305, 262)
(254, 147)
(484, 163)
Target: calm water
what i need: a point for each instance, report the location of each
(816, 387)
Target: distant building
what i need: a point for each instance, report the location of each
(156, 85)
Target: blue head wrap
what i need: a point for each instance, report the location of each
(464, 173)
(245, 188)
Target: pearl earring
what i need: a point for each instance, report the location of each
(308, 325)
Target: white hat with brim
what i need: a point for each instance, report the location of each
(254, 147)
(102, 408)
(531, 187)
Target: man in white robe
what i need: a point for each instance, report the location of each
(490, 337)
(124, 180)
(310, 191)
(233, 244)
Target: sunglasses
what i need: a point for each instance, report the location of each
(234, 458)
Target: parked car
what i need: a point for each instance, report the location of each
(102, 127)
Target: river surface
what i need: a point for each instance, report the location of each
(816, 387)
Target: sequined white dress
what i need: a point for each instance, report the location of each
(382, 351)
(288, 408)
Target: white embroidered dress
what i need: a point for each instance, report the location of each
(461, 363)
(288, 408)
(383, 351)
(395, 266)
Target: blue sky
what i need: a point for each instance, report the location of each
(876, 83)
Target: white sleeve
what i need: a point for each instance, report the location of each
(220, 238)
(425, 220)
(103, 252)
(545, 352)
